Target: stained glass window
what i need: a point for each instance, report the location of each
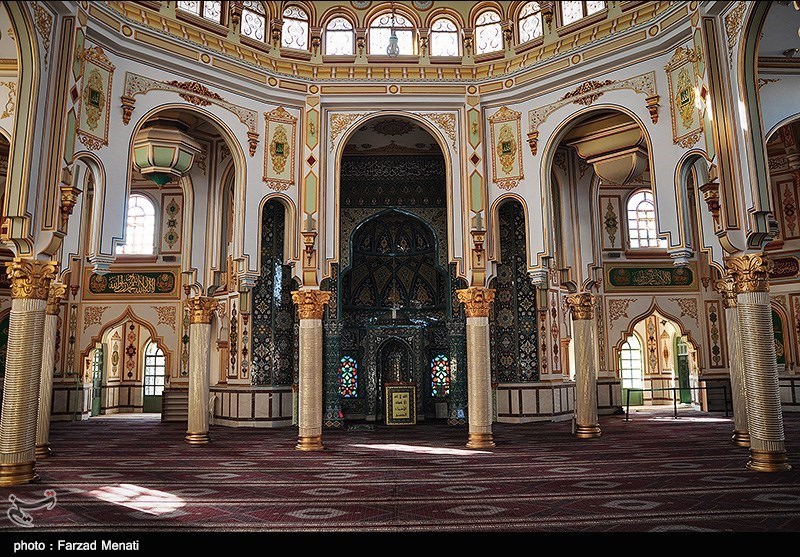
(381, 29)
(530, 22)
(155, 370)
(254, 20)
(574, 10)
(440, 376)
(140, 230)
(348, 377)
(488, 33)
(630, 364)
(339, 37)
(295, 28)
(444, 38)
(207, 9)
(642, 221)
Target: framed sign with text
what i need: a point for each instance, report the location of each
(401, 403)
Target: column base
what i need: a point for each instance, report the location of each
(198, 438)
(768, 461)
(43, 451)
(480, 441)
(587, 431)
(310, 443)
(17, 474)
(741, 438)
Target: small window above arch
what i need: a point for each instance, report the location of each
(207, 9)
(444, 39)
(642, 222)
(488, 33)
(339, 37)
(530, 22)
(140, 227)
(573, 11)
(380, 29)
(295, 28)
(254, 21)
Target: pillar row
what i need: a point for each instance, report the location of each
(477, 300)
(201, 310)
(56, 293)
(741, 435)
(765, 421)
(581, 307)
(30, 285)
(310, 306)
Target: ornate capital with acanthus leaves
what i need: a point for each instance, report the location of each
(30, 278)
(476, 300)
(56, 294)
(201, 309)
(310, 303)
(581, 306)
(727, 289)
(750, 272)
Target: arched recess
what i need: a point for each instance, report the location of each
(747, 57)
(130, 315)
(583, 272)
(20, 161)
(189, 264)
(291, 247)
(453, 197)
(89, 174)
(691, 173)
(782, 331)
(654, 308)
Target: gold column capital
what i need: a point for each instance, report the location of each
(726, 287)
(476, 300)
(55, 295)
(581, 306)
(30, 278)
(750, 272)
(310, 303)
(201, 309)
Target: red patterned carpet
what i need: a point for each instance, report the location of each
(651, 474)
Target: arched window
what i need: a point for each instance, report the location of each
(630, 364)
(348, 377)
(140, 229)
(440, 376)
(444, 38)
(211, 10)
(339, 39)
(381, 29)
(642, 221)
(295, 28)
(254, 20)
(530, 22)
(488, 34)
(155, 370)
(574, 10)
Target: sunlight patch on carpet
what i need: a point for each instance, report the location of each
(419, 449)
(139, 498)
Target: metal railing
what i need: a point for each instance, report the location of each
(724, 389)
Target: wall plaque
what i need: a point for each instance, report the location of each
(401, 403)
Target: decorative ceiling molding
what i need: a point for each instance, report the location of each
(191, 91)
(734, 20)
(587, 94)
(43, 21)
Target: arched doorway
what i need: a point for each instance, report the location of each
(394, 287)
(657, 364)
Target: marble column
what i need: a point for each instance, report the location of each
(581, 307)
(310, 306)
(476, 302)
(201, 310)
(741, 435)
(56, 293)
(765, 421)
(30, 286)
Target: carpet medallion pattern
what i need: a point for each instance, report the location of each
(651, 474)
